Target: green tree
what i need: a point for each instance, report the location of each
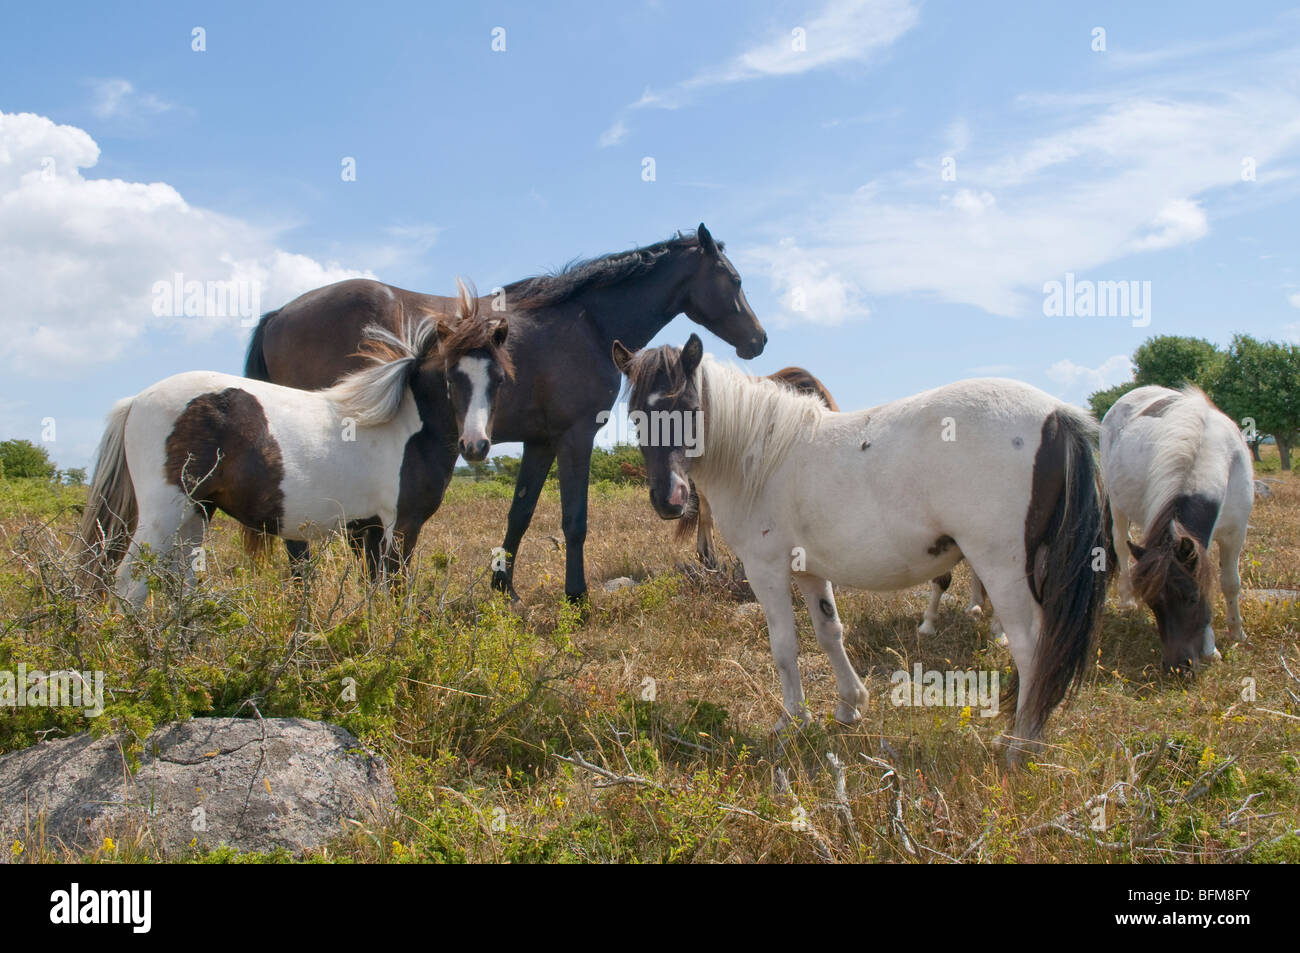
(1103, 400)
(1172, 360)
(22, 458)
(1258, 386)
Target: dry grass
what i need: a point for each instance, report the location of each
(527, 736)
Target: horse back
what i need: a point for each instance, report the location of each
(313, 340)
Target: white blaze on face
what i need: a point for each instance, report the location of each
(479, 410)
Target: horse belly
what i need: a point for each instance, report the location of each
(330, 481)
(883, 554)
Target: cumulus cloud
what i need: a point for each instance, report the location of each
(81, 258)
(807, 287)
(1075, 381)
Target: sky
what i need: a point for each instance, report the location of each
(899, 183)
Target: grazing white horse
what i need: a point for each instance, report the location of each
(282, 461)
(993, 470)
(1178, 466)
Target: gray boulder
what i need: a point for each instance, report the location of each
(250, 783)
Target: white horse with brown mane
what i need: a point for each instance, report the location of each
(281, 461)
(992, 470)
(1178, 466)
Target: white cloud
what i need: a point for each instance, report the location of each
(808, 288)
(842, 31)
(118, 99)
(79, 257)
(1110, 180)
(1075, 381)
(612, 136)
(1294, 300)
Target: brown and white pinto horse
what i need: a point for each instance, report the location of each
(286, 462)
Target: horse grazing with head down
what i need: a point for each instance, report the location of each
(865, 499)
(285, 462)
(1179, 467)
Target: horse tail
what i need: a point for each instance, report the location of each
(255, 362)
(109, 518)
(1064, 533)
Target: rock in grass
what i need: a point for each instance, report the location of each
(622, 582)
(252, 784)
(1263, 490)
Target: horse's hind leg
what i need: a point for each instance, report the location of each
(163, 517)
(1022, 619)
(938, 586)
(976, 609)
(820, 599)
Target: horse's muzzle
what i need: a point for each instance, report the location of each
(475, 451)
(753, 347)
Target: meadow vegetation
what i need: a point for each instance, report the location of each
(642, 732)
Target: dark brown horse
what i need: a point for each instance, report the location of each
(698, 514)
(562, 327)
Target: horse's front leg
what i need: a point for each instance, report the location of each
(820, 600)
(704, 547)
(1119, 534)
(772, 587)
(1230, 546)
(533, 470)
(575, 474)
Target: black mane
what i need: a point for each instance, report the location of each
(544, 291)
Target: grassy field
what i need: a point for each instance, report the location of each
(534, 735)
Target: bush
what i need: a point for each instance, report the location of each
(22, 458)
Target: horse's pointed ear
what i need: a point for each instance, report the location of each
(706, 241)
(1137, 550)
(499, 332)
(692, 353)
(622, 357)
(1186, 552)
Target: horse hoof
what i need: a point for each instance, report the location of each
(925, 628)
(785, 721)
(846, 714)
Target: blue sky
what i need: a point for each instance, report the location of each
(126, 156)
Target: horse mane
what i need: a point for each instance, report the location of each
(750, 425)
(1183, 429)
(579, 275)
(1160, 566)
(472, 331)
(372, 395)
